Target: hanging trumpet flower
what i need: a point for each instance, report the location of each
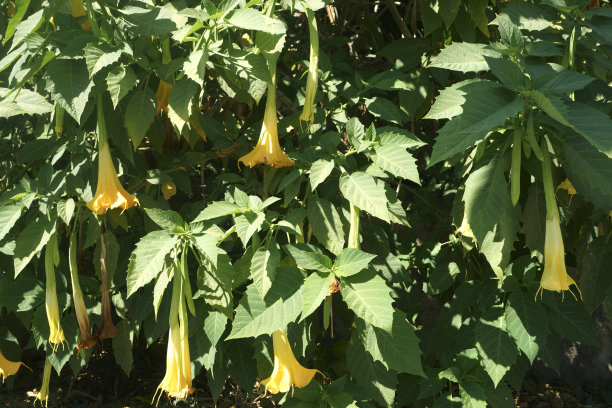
(8, 367)
(109, 191)
(177, 381)
(108, 329)
(56, 334)
(78, 10)
(287, 371)
(164, 88)
(313, 68)
(268, 150)
(555, 276)
(43, 394)
(87, 340)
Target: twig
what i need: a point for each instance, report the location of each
(398, 19)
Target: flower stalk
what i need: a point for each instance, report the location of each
(515, 174)
(108, 329)
(56, 334)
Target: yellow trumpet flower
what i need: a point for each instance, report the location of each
(313, 69)
(555, 276)
(268, 150)
(162, 95)
(287, 371)
(78, 10)
(43, 394)
(56, 334)
(8, 367)
(109, 191)
(177, 382)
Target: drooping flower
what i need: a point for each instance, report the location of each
(107, 330)
(78, 10)
(56, 334)
(465, 229)
(109, 191)
(177, 382)
(8, 367)
(555, 275)
(87, 340)
(268, 150)
(287, 370)
(313, 68)
(43, 394)
(162, 95)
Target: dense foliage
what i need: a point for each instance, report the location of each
(400, 194)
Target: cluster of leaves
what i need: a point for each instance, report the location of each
(417, 313)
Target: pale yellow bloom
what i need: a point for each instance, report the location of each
(109, 192)
(568, 186)
(465, 229)
(78, 10)
(313, 69)
(43, 394)
(56, 333)
(162, 95)
(8, 367)
(555, 276)
(268, 150)
(287, 371)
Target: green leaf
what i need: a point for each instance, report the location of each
(591, 123)
(166, 219)
(572, 321)
(248, 224)
(390, 135)
(527, 323)
(526, 16)
(263, 267)
(207, 246)
(561, 81)
(139, 115)
(378, 382)
(119, 81)
(497, 350)
(352, 261)
(477, 10)
(217, 209)
(451, 99)
(23, 294)
(482, 112)
(510, 34)
(214, 326)
(162, 282)
(27, 26)
(98, 56)
(314, 290)
(21, 6)
(148, 259)
(534, 219)
(385, 109)
(589, 170)
(308, 257)
(463, 57)
(9, 214)
(282, 305)
(251, 19)
(156, 21)
(70, 85)
(396, 161)
(363, 191)
(30, 241)
(65, 209)
(369, 297)
(319, 171)
(594, 262)
(472, 395)
(326, 224)
(508, 72)
(122, 347)
(179, 102)
(195, 66)
(24, 102)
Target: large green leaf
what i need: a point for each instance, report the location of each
(166, 219)
(526, 16)
(534, 219)
(497, 350)
(572, 321)
(23, 102)
(397, 161)
(119, 81)
(326, 224)
(9, 214)
(282, 305)
(179, 102)
(527, 323)
(369, 297)
(591, 123)
(314, 290)
(595, 280)
(217, 209)
(156, 21)
(463, 57)
(308, 257)
(263, 267)
(21, 6)
(362, 190)
(31, 240)
(148, 259)
(251, 19)
(139, 115)
(352, 261)
(70, 84)
(482, 112)
(98, 56)
(319, 171)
